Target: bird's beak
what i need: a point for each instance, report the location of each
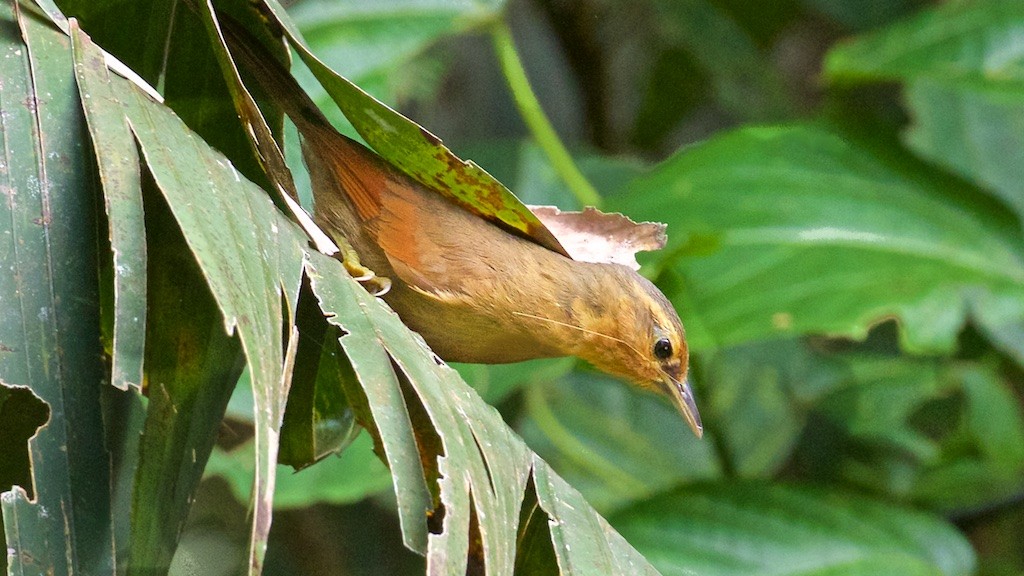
(682, 397)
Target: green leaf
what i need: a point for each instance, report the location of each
(248, 282)
(348, 477)
(120, 175)
(963, 66)
(883, 395)
(191, 366)
(994, 416)
(787, 230)
(982, 460)
(318, 420)
(49, 320)
(758, 397)
(988, 127)
(961, 42)
(946, 436)
(584, 542)
(750, 528)
(614, 445)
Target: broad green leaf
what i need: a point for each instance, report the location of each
(757, 400)
(994, 416)
(883, 394)
(963, 65)
(49, 320)
(614, 445)
(982, 461)
(961, 42)
(348, 477)
(946, 436)
(987, 126)
(751, 528)
(785, 230)
(417, 152)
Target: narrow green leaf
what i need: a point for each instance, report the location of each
(248, 282)
(191, 366)
(584, 542)
(318, 420)
(49, 322)
(371, 364)
(121, 178)
(749, 528)
(786, 230)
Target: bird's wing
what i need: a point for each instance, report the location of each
(425, 248)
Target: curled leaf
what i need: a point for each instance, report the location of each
(595, 236)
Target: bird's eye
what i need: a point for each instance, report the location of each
(663, 348)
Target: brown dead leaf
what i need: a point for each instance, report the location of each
(594, 236)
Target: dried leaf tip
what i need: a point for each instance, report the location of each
(595, 236)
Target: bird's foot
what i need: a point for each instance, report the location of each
(376, 285)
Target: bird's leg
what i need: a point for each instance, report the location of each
(376, 285)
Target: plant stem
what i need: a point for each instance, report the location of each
(536, 120)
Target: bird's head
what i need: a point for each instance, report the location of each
(638, 336)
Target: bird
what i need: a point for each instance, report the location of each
(475, 292)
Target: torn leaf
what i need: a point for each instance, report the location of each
(594, 236)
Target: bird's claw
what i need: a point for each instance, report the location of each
(375, 285)
(378, 286)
